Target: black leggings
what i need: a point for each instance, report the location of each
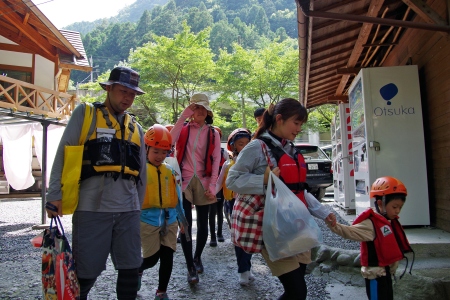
(165, 255)
(294, 284)
(126, 286)
(381, 287)
(202, 231)
(216, 209)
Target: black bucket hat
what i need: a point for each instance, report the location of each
(124, 76)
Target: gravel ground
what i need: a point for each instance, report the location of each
(20, 264)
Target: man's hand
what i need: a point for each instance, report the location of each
(53, 214)
(331, 220)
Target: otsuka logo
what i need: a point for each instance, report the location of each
(388, 92)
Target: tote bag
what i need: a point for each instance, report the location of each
(73, 158)
(59, 279)
(288, 227)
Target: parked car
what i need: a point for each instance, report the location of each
(319, 174)
(328, 149)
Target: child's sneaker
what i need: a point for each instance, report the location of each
(244, 278)
(251, 277)
(192, 276)
(161, 296)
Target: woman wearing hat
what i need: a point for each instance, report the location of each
(197, 146)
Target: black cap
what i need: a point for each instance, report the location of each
(124, 76)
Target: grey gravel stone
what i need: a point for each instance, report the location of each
(20, 274)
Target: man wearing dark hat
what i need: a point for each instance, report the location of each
(107, 218)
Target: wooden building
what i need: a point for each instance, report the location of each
(339, 37)
(36, 60)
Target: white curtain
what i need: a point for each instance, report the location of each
(17, 155)
(54, 134)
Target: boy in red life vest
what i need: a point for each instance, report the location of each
(383, 241)
(160, 210)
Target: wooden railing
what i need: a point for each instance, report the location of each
(21, 96)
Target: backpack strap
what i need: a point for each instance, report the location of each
(88, 125)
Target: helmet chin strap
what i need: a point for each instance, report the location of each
(383, 206)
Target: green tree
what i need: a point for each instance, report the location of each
(166, 22)
(222, 37)
(274, 75)
(320, 118)
(143, 28)
(233, 72)
(199, 18)
(172, 69)
(257, 78)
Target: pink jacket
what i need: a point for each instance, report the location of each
(194, 157)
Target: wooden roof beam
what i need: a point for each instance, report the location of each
(330, 71)
(24, 43)
(423, 10)
(332, 54)
(340, 43)
(348, 71)
(26, 29)
(336, 33)
(343, 98)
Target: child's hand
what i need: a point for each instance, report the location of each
(210, 196)
(182, 228)
(331, 220)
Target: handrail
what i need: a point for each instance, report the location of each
(22, 96)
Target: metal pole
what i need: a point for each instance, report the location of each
(44, 170)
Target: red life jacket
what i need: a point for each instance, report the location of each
(390, 241)
(182, 143)
(292, 169)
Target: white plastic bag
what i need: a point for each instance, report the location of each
(288, 227)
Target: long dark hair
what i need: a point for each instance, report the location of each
(287, 108)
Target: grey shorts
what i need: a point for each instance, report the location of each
(98, 234)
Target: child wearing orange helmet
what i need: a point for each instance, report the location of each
(237, 140)
(160, 210)
(383, 241)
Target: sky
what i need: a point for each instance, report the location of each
(65, 12)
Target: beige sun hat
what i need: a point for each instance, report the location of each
(201, 99)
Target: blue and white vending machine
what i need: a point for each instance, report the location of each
(388, 137)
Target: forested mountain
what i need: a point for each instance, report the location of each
(250, 23)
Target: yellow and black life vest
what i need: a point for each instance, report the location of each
(227, 193)
(161, 188)
(112, 148)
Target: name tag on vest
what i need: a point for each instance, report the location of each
(105, 132)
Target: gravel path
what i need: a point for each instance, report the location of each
(20, 265)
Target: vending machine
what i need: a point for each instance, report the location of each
(388, 137)
(343, 174)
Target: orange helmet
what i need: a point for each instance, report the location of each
(169, 127)
(387, 185)
(218, 130)
(158, 136)
(237, 134)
